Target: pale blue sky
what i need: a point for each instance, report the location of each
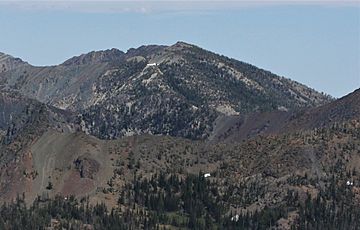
(317, 44)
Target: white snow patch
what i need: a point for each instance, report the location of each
(151, 64)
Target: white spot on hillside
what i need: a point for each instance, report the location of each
(207, 175)
(151, 64)
(235, 218)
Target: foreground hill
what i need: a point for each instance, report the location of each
(281, 181)
(181, 94)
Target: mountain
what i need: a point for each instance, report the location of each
(117, 94)
(284, 180)
(173, 137)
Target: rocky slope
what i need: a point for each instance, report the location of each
(24, 120)
(267, 172)
(177, 90)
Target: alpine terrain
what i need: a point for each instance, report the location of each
(173, 137)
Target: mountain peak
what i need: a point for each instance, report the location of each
(92, 57)
(182, 43)
(8, 62)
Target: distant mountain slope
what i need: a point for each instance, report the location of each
(235, 128)
(23, 120)
(346, 108)
(181, 94)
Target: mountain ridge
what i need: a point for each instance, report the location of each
(141, 91)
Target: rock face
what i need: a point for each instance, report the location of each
(176, 90)
(87, 167)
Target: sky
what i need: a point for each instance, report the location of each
(315, 42)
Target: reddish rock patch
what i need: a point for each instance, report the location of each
(16, 177)
(75, 185)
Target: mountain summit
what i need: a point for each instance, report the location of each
(179, 90)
